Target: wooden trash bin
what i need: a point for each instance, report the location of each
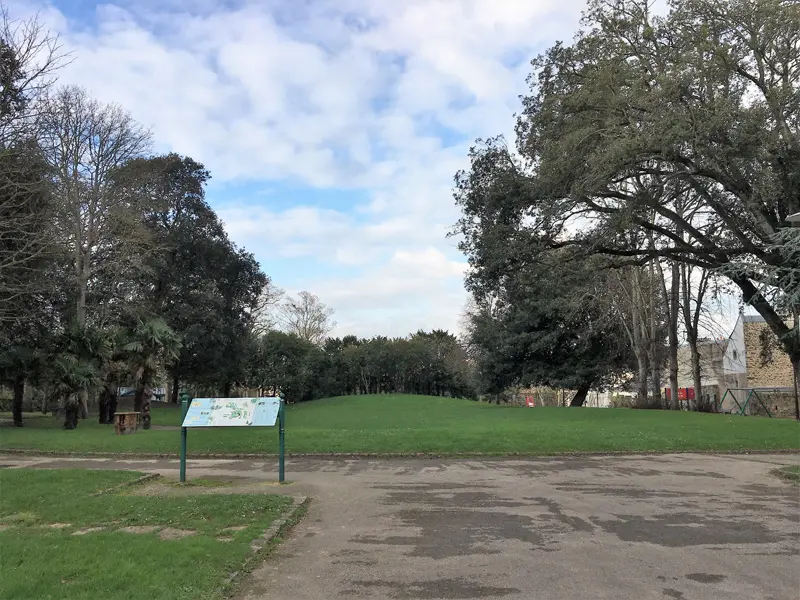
(126, 422)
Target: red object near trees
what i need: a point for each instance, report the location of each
(683, 393)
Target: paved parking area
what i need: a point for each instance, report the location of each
(683, 527)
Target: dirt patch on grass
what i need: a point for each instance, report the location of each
(139, 529)
(59, 525)
(86, 530)
(205, 482)
(234, 528)
(170, 533)
(240, 486)
(119, 487)
(21, 518)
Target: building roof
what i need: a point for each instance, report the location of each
(753, 319)
(759, 319)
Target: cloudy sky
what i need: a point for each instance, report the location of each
(332, 128)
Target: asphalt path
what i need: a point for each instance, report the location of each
(681, 527)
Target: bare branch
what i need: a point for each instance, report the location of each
(306, 317)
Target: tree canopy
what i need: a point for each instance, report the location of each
(650, 138)
(431, 363)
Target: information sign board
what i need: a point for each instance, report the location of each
(232, 412)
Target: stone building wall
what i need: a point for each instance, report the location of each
(779, 402)
(775, 374)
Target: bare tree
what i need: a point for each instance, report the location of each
(306, 317)
(29, 57)
(637, 301)
(671, 303)
(264, 314)
(694, 285)
(653, 347)
(84, 141)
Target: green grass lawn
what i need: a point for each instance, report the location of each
(409, 424)
(41, 558)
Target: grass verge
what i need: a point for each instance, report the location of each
(60, 541)
(404, 424)
(789, 473)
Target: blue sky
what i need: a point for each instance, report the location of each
(332, 128)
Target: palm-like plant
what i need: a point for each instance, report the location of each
(113, 370)
(75, 368)
(152, 344)
(72, 376)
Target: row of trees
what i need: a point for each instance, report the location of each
(432, 363)
(656, 159)
(113, 266)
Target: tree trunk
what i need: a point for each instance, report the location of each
(82, 280)
(80, 309)
(174, 391)
(691, 320)
(112, 405)
(146, 420)
(655, 375)
(699, 401)
(83, 404)
(16, 405)
(102, 407)
(641, 399)
(226, 389)
(652, 346)
(580, 394)
(107, 404)
(71, 412)
(638, 331)
(82, 270)
(674, 298)
(138, 398)
(144, 392)
(796, 370)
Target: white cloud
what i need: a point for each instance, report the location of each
(326, 235)
(331, 93)
(394, 299)
(430, 261)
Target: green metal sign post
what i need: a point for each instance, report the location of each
(184, 409)
(234, 412)
(281, 440)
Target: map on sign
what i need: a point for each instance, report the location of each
(232, 412)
